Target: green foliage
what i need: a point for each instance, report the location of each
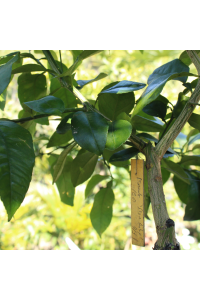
(16, 165)
(90, 131)
(5, 73)
(157, 80)
(48, 105)
(119, 131)
(101, 213)
(94, 140)
(83, 167)
(111, 105)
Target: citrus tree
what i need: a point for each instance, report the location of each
(111, 129)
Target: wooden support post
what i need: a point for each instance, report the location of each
(137, 202)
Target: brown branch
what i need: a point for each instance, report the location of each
(138, 143)
(181, 120)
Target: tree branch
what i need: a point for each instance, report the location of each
(140, 144)
(22, 120)
(181, 120)
(64, 83)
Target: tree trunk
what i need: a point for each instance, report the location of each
(165, 227)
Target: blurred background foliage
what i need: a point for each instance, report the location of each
(43, 221)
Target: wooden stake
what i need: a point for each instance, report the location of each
(137, 202)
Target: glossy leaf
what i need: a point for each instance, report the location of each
(165, 175)
(63, 127)
(107, 154)
(182, 100)
(124, 154)
(157, 108)
(60, 163)
(29, 68)
(5, 73)
(47, 105)
(59, 139)
(190, 195)
(123, 87)
(93, 182)
(61, 92)
(16, 165)
(82, 83)
(111, 105)
(82, 167)
(31, 87)
(119, 131)
(143, 124)
(101, 213)
(176, 169)
(172, 70)
(90, 131)
(147, 137)
(186, 59)
(194, 121)
(64, 185)
(188, 160)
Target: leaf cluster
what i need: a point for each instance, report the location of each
(89, 135)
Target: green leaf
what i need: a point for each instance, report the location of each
(165, 175)
(186, 59)
(143, 124)
(31, 87)
(5, 73)
(93, 182)
(194, 121)
(30, 125)
(90, 131)
(87, 53)
(75, 54)
(64, 185)
(119, 131)
(147, 137)
(176, 169)
(107, 155)
(101, 213)
(59, 139)
(196, 147)
(84, 54)
(182, 100)
(123, 87)
(47, 105)
(82, 83)
(192, 211)
(29, 68)
(63, 127)
(190, 195)
(172, 70)
(194, 139)
(61, 92)
(82, 167)
(182, 190)
(188, 160)
(111, 105)
(157, 108)
(124, 155)
(3, 99)
(16, 165)
(59, 165)
(123, 116)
